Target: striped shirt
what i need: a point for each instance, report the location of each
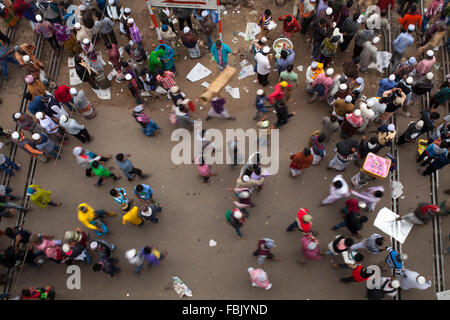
(282, 64)
(350, 26)
(403, 40)
(122, 198)
(288, 76)
(166, 81)
(265, 21)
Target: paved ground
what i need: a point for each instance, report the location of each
(194, 213)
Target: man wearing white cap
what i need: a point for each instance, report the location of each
(357, 87)
(81, 33)
(84, 158)
(413, 131)
(307, 12)
(421, 87)
(75, 129)
(86, 16)
(352, 122)
(341, 107)
(135, 258)
(413, 280)
(405, 69)
(369, 54)
(386, 134)
(258, 278)
(134, 88)
(190, 42)
(220, 52)
(386, 84)
(403, 40)
(135, 34)
(263, 251)
(311, 72)
(114, 10)
(45, 144)
(49, 125)
(366, 113)
(106, 28)
(123, 26)
(47, 30)
(322, 84)
(425, 65)
(236, 218)
(82, 104)
(207, 26)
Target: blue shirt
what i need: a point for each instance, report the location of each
(403, 40)
(36, 105)
(122, 197)
(384, 85)
(282, 64)
(393, 259)
(145, 194)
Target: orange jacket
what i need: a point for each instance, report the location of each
(413, 18)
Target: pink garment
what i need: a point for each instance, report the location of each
(325, 80)
(255, 275)
(202, 169)
(434, 8)
(47, 243)
(310, 254)
(425, 66)
(355, 121)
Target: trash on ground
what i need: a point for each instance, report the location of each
(212, 243)
(235, 40)
(198, 72)
(205, 84)
(251, 31)
(272, 25)
(234, 92)
(71, 62)
(73, 78)
(112, 74)
(300, 68)
(243, 63)
(180, 288)
(386, 222)
(104, 94)
(246, 71)
(396, 189)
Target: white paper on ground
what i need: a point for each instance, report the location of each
(396, 189)
(385, 221)
(112, 74)
(243, 63)
(241, 34)
(180, 288)
(160, 90)
(212, 243)
(443, 295)
(251, 31)
(145, 94)
(198, 72)
(104, 94)
(73, 78)
(272, 25)
(205, 84)
(234, 92)
(246, 71)
(71, 62)
(300, 68)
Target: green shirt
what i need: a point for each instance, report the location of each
(101, 171)
(288, 76)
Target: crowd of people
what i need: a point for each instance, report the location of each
(332, 24)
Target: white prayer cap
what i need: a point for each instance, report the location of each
(130, 254)
(215, 98)
(403, 256)
(77, 25)
(359, 80)
(82, 7)
(66, 247)
(26, 58)
(430, 53)
(36, 136)
(111, 2)
(63, 118)
(29, 78)
(312, 246)
(329, 11)
(330, 71)
(94, 245)
(409, 80)
(128, 76)
(237, 214)
(395, 284)
(147, 212)
(174, 89)
(411, 27)
(15, 135)
(86, 41)
(266, 49)
(245, 178)
(429, 76)
(343, 86)
(357, 112)
(376, 40)
(370, 103)
(421, 280)
(371, 147)
(127, 10)
(412, 60)
(17, 115)
(73, 91)
(392, 77)
(260, 92)
(38, 18)
(362, 204)
(314, 64)
(39, 115)
(391, 127)
(205, 13)
(419, 125)
(186, 30)
(244, 195)
(348, 99)
(130, 21)
(138, 108)
(362, 105)
(264, 40)
(77, 151)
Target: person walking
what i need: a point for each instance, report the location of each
(338, 189)
(259, 278)
(47, 30)
(189, 40)
(372, 244)
(423, 214)
(302, 222)
(220, 52)
(127, 167)
(218, 109)
(89, 217)
(104, 25)
(263, 66)
(43, 143)
(72, 127)
(300, 161)
(6, 57)
(413, 131)
(386, 84)
(338, 245)
(106, 265)
(41, 197)
(236, 219)
(136, 259)
(349, 28)
(362, 36)
(329, 126)
(7, 165)
(369, 54)
(133, 217)
(413, 280)
(403, 40)
(307, 13)
(346, 150)
(263, 251)
(352, 218)
(370, 197)
(102, 173)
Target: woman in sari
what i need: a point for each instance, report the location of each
(66, 37)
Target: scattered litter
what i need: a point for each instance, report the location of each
(402, 197)
(121, 90)
(198, 72)
(160, 90)
(234, 92)
(112, 74)
(251, 31)
(246, 71)
(255, 81)
(443, 295)
(225, 13)
(436, 66)
(246, 89)
(104, 94)
(145, 94)
(396, 189)
(201, 108)
(267, 223)
(128, 294)
(325, 178)
(272, 25)
(185, 58)
(71, 62)
(73, 78)
(241, 34)
(117, 94)
(162, 109)
(212, 243)
(253, 12)
(386, 222)
(180, 288)
(235, 40)
(300, 68)
(243, 63)
(205, 84)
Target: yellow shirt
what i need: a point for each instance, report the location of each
(87, 217)
(132, 216)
